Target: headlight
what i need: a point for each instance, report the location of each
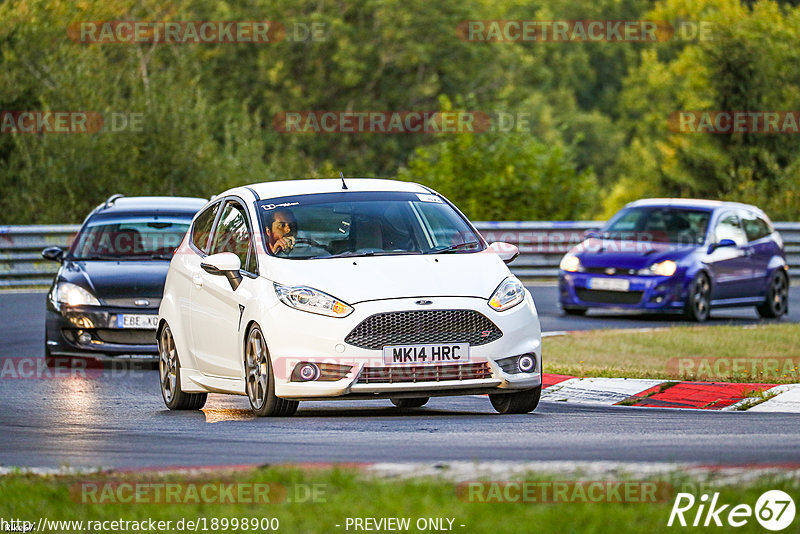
(570, 263)
(664, 268)
(70, 294)
(311, 300)
(507, 295)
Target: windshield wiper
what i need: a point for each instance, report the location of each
(161, 256)
(94, 257)
(353, 254)
(455, 247)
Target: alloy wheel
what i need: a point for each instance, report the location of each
(257, 372)
(780, 294)
(168, 364)
(700, 297)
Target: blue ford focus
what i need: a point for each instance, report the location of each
(678, 255)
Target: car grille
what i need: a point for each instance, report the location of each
(428, 326)
(127, 336)
(602, 296)
(609, 271)
(130, 302)
(423, 373)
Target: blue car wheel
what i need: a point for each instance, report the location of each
(698, 305)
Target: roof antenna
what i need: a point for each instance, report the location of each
(344, 185)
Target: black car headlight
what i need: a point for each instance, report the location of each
(69, 294)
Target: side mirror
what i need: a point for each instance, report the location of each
(591, 234)
(53, 254)
(721, 244)
(506, 251)
(225, 264)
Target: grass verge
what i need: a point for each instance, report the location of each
(768, 353)
(339, 494)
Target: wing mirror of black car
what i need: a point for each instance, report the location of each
(721, 244)
(225, 264)
(53, 254)
(591, 234)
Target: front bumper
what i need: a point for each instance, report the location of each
(306, 337)
(656, 293)
(63, 330)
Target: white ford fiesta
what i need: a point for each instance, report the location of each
(344, 289)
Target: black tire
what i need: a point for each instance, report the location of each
(169, 372)
(260, 380)
(776, 302)
(520, 402)
(571, 310)
(698, 303)
(410, 403)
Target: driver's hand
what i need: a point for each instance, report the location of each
(284, 244)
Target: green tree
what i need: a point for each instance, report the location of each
(501, 176)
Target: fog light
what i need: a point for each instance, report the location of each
(526, 363)
(308, 372)
(85, 338)
(322, 372)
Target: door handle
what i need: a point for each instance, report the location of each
(197, 278)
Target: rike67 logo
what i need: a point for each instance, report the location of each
(774, 510)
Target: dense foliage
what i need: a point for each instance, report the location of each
(596, 137)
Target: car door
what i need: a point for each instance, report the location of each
(730, 265)
(216, 307)
(761, 248)
(187, 264)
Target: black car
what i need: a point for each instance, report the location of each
(104, 299)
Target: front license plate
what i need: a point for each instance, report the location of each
(144, 322)
(609, 284)
(426, 354)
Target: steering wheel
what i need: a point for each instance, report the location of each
(311, 242)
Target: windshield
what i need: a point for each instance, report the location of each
(342, 224)
(659, 224)
(130, 238)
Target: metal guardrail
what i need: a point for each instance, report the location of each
(541, 245)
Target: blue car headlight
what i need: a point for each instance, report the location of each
(662, 268)
(570, 263)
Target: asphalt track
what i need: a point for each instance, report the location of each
(22, 318)
(117, 419)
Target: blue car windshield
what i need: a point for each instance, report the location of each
(327, 225)
(660, 225)
(130, 238)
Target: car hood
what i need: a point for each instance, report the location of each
(358, 279)
(628, 254)
(118, 279)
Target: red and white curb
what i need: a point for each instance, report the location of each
(672, 394)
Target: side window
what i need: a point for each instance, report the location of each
(202, 227)
(233, 235)
(444, 226)
(729, 228)
(755, 227)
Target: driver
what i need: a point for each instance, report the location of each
(281, 231)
